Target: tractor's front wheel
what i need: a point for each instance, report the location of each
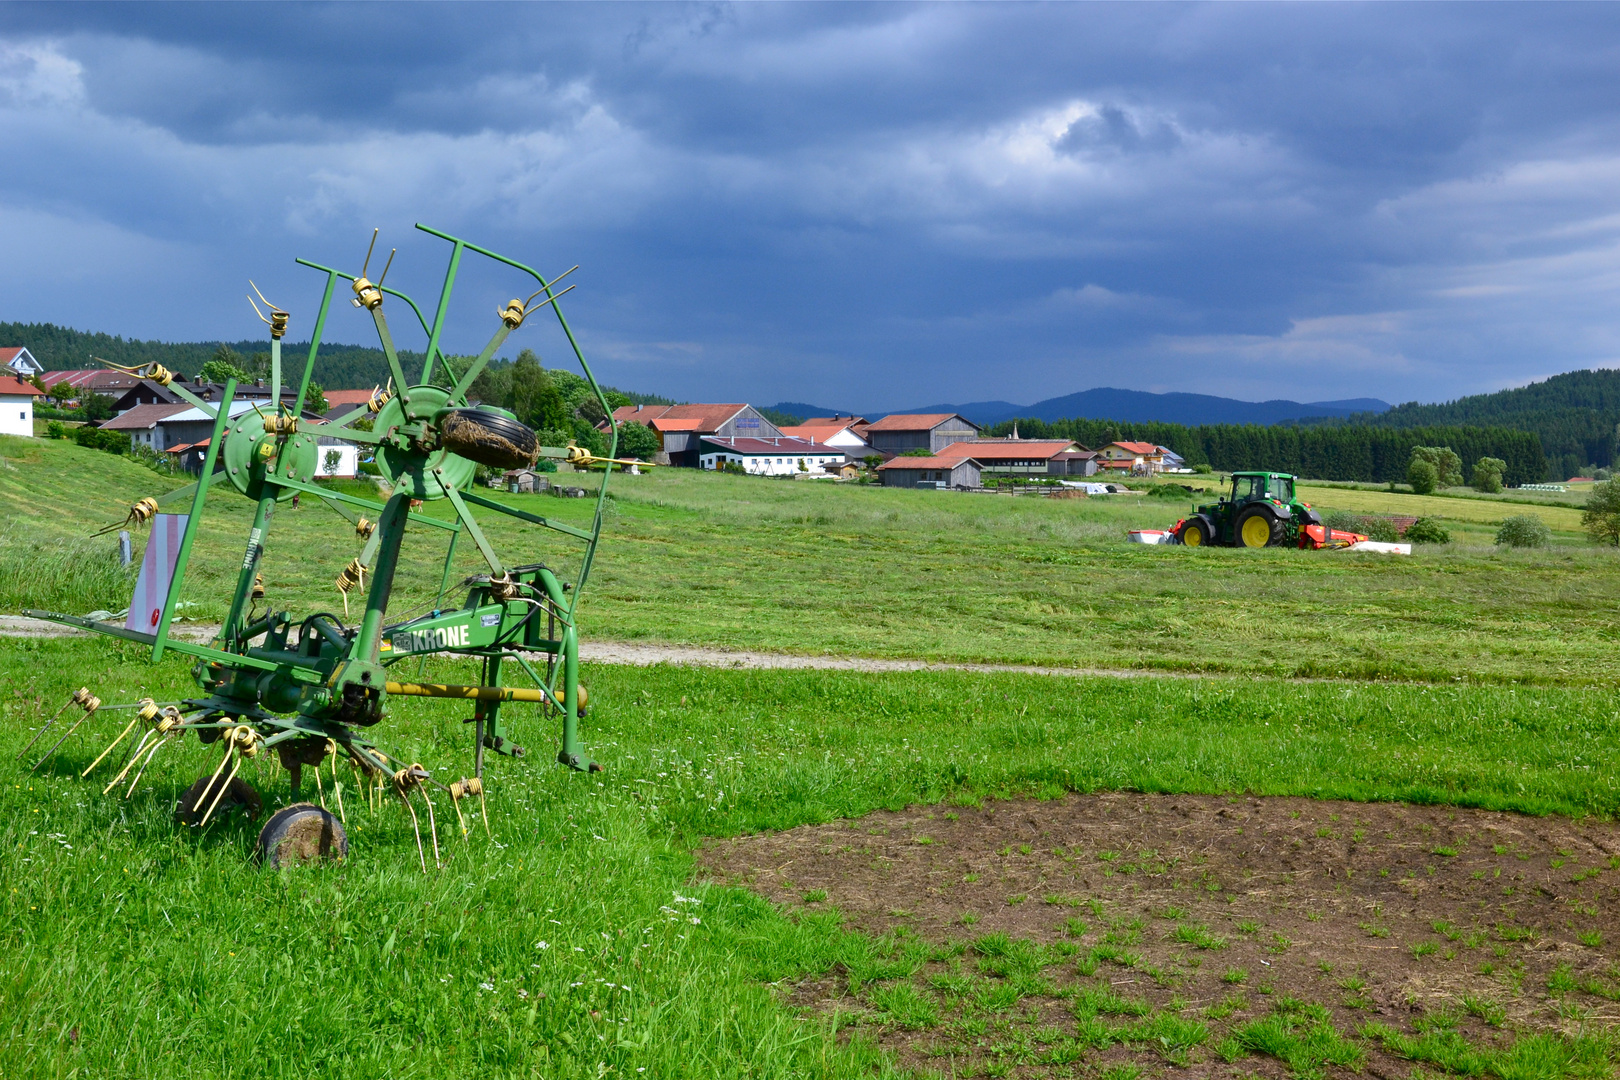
(1257, 528)
(1196, 532)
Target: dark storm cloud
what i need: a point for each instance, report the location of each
(870, 205)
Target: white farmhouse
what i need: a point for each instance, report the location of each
(17, 405)
(769, 456)
(17, 360)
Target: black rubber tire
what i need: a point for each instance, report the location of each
(1204, 528)
(239, 795)
(488, 438)
(1273, 532)
(299, 834)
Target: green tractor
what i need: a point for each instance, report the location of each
(1262, 511)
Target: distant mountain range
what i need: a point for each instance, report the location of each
(1133, 406)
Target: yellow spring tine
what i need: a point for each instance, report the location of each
(127, 729)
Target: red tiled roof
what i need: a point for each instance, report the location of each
(784, 447)
(939, 461)
(94, 378)
(1010, 450)
(814, 430)
(183, 447)
(142, 417)
(1136, 447)
(11, 384)
(347, 397)
(661, 424)
(915, 421)
(710, 417)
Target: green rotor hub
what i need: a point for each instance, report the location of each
(411, 467)
(292, 457)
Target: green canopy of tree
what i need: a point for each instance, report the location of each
(1601, 517)
(1421, 473)
(637, 441)
(1446, 461)
(1488, 474)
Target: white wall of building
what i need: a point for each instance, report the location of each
(781, 464)
(16, 414)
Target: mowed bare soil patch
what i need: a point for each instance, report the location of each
(1212, 936)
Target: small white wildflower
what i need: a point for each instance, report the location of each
(486, 986)
(541, 945)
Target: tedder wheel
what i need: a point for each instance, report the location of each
(301, 833)
(238, 795)
(1256, 528)
(1195, 533)
(487, 437)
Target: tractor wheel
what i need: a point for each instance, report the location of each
(301, 833)
(1196, 532)
(1256, 528)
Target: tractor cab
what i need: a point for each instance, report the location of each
(1276, 488)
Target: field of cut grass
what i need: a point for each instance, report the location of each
(572, 944)
(807, 567)
(1460, 508)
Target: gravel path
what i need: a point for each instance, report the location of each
(644, 655)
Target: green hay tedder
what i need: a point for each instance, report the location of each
(310, 687)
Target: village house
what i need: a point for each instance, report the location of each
(17, 360)
(923, 431)
(1140, 458)
(845, 432)
(144, 423)
(1023, 457)
(944, 470)
(682, 428)
(780, 456)
(17, 405)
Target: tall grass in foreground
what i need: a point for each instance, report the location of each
(75, 575)
(573, 944)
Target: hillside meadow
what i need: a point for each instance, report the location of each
(815, 567)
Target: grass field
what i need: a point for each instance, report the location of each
(574, 943)
(579, 939)
(742, 562)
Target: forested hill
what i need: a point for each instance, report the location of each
(337, 367)
(1575, 415)
(1337, 452)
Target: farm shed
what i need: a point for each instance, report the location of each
(524, 481)
(1016, 457)
(941, 471)
(919, 431)
(682, 428)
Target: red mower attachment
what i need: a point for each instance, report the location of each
(1321, 536)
